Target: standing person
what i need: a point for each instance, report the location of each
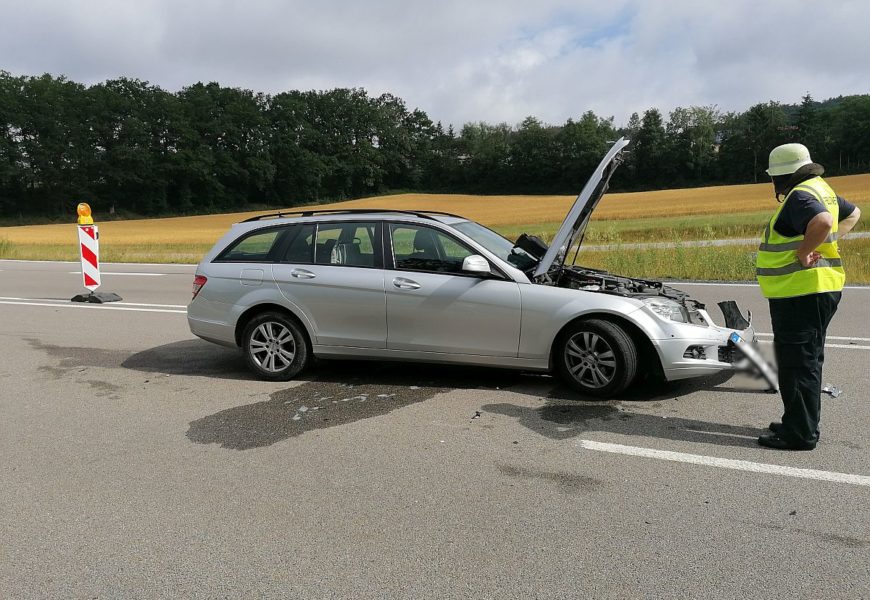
(801, 274)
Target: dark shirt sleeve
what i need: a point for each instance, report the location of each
(845, 208)
(799, 210)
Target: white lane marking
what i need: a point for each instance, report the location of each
(96, 306)
(730, 284)
(846, 346)
(727, 463)
(830, 337)
(137, 274)
(56, 300)
(184, 306)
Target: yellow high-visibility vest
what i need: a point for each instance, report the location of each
(777, 268)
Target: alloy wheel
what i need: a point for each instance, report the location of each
(590, 359)
(272, 347)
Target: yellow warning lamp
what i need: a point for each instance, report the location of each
(84, 211)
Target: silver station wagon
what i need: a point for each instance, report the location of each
(434, 287)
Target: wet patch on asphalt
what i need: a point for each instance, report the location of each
(566, 418)
(843, 541)
(188, 357)
(104, 389)
(70, 358)
(54, 372)
(567, 482)
(338, 393)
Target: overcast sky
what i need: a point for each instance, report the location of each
(461, 60)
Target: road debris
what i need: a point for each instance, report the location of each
(476, 415)
(833, 391)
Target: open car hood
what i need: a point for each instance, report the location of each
(574, 225)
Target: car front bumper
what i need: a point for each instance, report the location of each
(688, 350)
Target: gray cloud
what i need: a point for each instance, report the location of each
(460, 61)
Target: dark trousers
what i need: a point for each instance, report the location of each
(799, 328)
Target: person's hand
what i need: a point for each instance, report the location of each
(808, 260)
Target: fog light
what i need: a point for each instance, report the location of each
(696, 352)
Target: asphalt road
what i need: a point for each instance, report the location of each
(138, 461)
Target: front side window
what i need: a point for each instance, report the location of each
(350, 244)
(417, 248)
(501, 247)
(258, 246)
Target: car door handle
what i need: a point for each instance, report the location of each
(405, 284)
(302, 274)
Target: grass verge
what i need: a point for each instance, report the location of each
(661, 229)
(716, 263)
(124, 253)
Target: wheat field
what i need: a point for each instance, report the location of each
(185, 239)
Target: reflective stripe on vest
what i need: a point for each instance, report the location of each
(778, 270)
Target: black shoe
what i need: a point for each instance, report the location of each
(778, 443)
(777, 428)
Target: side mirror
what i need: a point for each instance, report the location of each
(476, 264)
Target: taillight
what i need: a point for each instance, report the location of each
(198, 282)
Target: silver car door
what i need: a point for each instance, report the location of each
(433, 307)
(334, 274)
(244, 266)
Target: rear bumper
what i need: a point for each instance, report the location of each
(210, 330)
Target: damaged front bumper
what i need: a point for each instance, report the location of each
(688, 350)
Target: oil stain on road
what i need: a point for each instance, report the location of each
(567, 482)
(336, 394)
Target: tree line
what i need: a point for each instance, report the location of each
(128, 146)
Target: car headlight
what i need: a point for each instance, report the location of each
(668, 309)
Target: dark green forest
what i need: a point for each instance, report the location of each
(132, 148)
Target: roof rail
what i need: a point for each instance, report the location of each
(426, 214)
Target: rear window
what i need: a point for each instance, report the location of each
(257, 246)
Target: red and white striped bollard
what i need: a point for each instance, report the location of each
(89, 250)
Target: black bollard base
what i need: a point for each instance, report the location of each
(97, 297)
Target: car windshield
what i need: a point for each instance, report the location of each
(501, 247)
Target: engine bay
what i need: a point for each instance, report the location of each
(576, 277)
(594, 280)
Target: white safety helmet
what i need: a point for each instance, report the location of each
(788, 158)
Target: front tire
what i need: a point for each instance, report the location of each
(597, 358)
(275, 347)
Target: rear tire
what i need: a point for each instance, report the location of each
(596, 357)
(275, 347)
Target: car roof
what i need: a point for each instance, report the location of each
(274, 219)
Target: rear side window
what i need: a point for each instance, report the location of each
(300, 249)
(257, 246)
(350, 244)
